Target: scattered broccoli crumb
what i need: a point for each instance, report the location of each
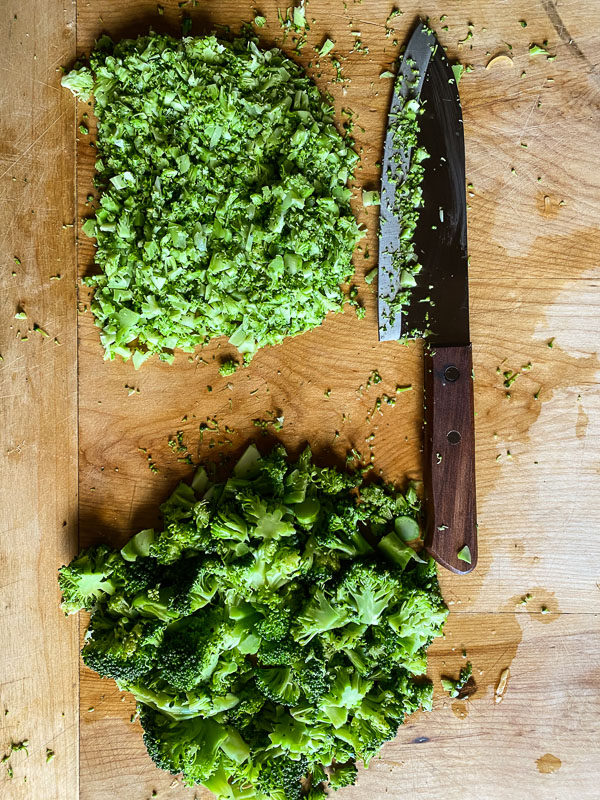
(371, 275)
(374, 378)
(326, 47)
(228, 367)
(538, 50)
(464, 554)
(274, 421)
(550, 342)
(370, 198)
(406, 388)
(509, 378)
(454, 687)
(17, 746)
(525, 599)
(260, 21)
(49, 755)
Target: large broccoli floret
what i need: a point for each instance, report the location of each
(190, 650)
(368, 591)
(280, 778)
(341, 775)
(123, 649)
(88, 579)
(318, 616)
(194, 747)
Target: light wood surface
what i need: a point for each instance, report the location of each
(38, 402)
(535, 276)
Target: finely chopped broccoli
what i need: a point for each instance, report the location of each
(225, 207)
(273, 631)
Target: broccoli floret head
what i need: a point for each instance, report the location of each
(190, 746)
(88, 579)
(121, 649)
(368, 590)
(281, 777)
(341, 775)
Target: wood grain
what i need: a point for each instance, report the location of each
(38, 401)
(532, 140)
(449, 457)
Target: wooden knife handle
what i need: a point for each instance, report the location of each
(449, 470)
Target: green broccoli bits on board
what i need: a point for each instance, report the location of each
(225, 209)
(266, 635)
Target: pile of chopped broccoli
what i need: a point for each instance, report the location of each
(272, 633)
(225, 209)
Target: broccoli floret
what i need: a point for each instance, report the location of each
(279, 653)
(88, 579)
(180, 536)
(272, 470)
(318, 615)
(191, 746)
(278, 684)
(229, 525)
(250, 702)
(276, 623)
(313, 678)
(420, 618)
(341, 775)
(280, 778)
(190, 650)
(180, 505)
(134, 576)
(266, 518)
(123, 649)
(368, 591)
(330, 481)
(342, 532)
(195, 583)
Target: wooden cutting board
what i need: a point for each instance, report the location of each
(532, 140)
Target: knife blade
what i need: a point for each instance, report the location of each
(439, 308)
(396, 164)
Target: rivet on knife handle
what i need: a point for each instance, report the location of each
(449, 470)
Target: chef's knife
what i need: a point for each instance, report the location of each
(439, 304)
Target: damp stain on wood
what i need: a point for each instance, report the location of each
(548, 763)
